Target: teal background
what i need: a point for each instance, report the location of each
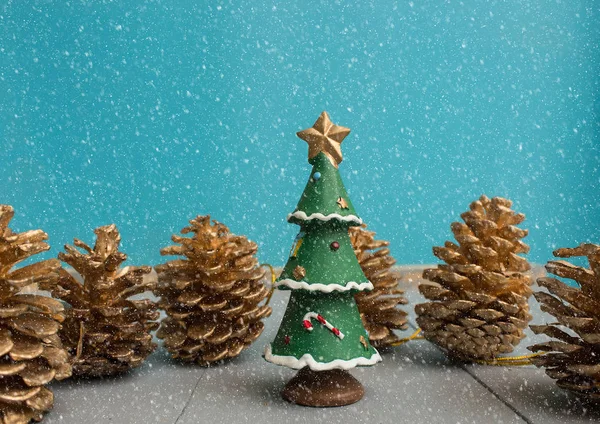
(147, 113)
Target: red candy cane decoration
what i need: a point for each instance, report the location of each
(308, 325)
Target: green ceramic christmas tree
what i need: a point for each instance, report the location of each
(322, 333)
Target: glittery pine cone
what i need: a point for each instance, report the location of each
(479, 297)
(211, 295)
(31, 354)
(379, 308)
(106, 331)
(573, 357)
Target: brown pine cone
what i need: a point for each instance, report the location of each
(379, 307)
(478, 306)
(106, 331)
(31, 354)
(211, 295)
(573, 359)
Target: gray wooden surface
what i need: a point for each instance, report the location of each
(414, 384)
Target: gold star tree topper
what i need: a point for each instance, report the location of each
(324, 136)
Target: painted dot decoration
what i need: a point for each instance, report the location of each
(316, 176)
(334, 245)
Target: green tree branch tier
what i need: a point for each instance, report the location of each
(327, 269)
(320, 349)
(322, 328)
(321, 195)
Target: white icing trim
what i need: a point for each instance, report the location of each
(302, 216)
(308, 361)
(325, 288)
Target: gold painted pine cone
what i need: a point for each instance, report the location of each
(106, 331)
(379, 308)
(211, 295)
(572, 357)
(31, 354)
(478, 305)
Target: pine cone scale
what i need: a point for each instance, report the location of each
(574, 296)
(11, 367)
(25, 347)
(37, 374)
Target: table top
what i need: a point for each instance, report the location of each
(415, 383)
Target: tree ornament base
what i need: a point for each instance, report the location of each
(323, 388)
